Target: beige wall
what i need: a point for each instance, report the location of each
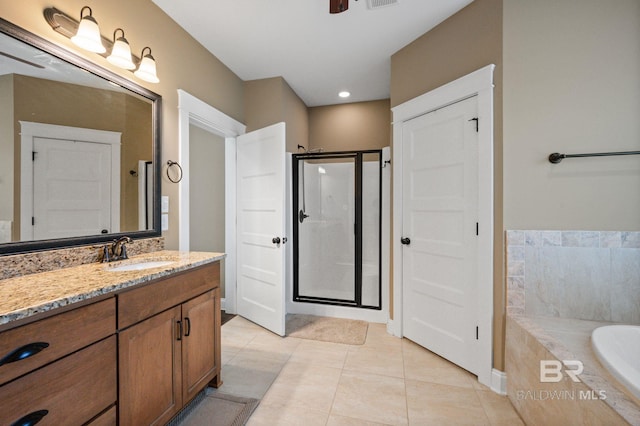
(467, 41)
(206, 208)
(6, 147)
(571, 85)
(137, 144)
(354, 126)
(182, 64)
(271, 100)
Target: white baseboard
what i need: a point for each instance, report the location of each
(499, 381)
(392, 328)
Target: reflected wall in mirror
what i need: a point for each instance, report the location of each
(76, 145)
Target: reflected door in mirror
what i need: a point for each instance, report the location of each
(71, 188)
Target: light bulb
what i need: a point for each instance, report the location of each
(88, 35)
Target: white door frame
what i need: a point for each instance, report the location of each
(480, 84)
(193, 111)
(30, 130)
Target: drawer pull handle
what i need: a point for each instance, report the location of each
(31, 418)
(23, 352)
(188, 327)
(179, 326)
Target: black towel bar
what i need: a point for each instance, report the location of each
(555, 158)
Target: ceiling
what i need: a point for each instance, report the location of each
(319, 54)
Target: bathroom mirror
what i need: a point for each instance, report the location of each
(79, 149)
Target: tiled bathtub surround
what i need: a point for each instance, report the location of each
(595, 400)
(49, 260)
(586, 275)
(560, 286)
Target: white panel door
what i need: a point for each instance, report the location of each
(440, 211)
(71, 188)
(261, 223)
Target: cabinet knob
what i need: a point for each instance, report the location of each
(31, 418)
(23, 352)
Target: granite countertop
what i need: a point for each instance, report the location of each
(27, 295)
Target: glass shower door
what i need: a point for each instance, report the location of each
(326, 216)
(337, 228)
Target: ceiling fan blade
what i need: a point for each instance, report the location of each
(337, 6)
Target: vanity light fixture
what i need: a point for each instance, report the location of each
(88, 35)
(121, 52)
(87, 29)
(147, 69)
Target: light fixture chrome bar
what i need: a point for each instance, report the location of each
(68, 26)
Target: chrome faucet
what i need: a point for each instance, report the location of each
(119, 249)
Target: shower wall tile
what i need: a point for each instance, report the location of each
(631, 239)
(533, 238)
(551, 238)
(587, 275)
(611, 239)
(571, 239)
(567, 282)
(625, 285)
(590, 239)
(515, 238)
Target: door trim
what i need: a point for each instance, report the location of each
(31, 130)
(479, 83)
(193, 111)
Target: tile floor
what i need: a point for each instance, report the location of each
(386, 381)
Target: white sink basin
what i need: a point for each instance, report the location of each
(140, 266)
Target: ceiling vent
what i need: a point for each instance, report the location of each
(375, 4)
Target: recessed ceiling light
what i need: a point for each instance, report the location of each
(344, 94)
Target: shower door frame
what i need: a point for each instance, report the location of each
(358, 156)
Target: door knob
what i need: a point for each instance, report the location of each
(405, 240)
(276, 240)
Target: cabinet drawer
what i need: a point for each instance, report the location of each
(140, 303)
(70, 391)
(61, 334)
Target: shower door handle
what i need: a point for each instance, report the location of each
(276, 240)
(405, 240)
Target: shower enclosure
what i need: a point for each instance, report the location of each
(337, 205)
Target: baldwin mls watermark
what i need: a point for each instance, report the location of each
(554, 371)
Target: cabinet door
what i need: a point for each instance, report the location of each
(149, 373)
(199, 364)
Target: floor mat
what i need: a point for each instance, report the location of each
(326, 329)
(214, 408)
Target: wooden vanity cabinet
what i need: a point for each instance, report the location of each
(172, 351)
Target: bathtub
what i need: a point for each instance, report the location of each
(618, 349)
